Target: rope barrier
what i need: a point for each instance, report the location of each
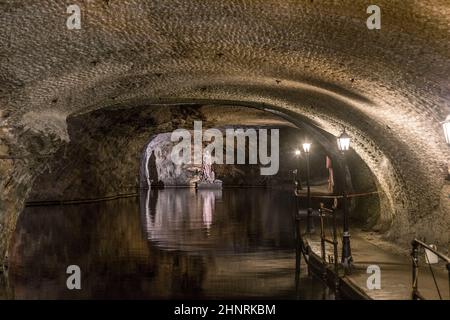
(78, 201)
(352, 195)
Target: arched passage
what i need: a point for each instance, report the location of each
(389, 88)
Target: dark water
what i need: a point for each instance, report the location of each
(172, 243)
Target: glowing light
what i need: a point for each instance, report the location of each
(307, 147)
(446, 126)
(343, 141)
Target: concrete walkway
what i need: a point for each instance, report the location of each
(396, 269)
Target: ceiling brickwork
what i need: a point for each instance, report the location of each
(317, 59)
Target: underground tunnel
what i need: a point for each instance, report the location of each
(87, 117)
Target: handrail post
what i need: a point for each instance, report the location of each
(298, 244)
(416, 244)
(298, 240)
(335, 247)
(415, 268)
(322, 233)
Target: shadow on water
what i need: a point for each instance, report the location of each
(170, 243)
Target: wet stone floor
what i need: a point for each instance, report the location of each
(395, 267)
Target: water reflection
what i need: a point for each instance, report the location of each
(171, 243)
(206, 220)
(208, 199)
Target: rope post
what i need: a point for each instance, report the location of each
(415, 268)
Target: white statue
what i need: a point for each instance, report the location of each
(208, 177)
(207, 171)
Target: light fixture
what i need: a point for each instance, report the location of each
(306, 147)
(446, 126)
(343, 142)
(297, 152)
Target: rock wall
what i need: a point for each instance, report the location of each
(24, 156)
(106, 155)
(157, 155)
(167, 173)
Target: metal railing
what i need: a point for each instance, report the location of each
(416, 245)
(323, 212)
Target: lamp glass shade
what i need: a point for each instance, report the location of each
(446, 126)
(343, 142)
(297, 152)
(306, 147)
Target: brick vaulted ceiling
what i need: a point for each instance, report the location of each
(316, 59)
